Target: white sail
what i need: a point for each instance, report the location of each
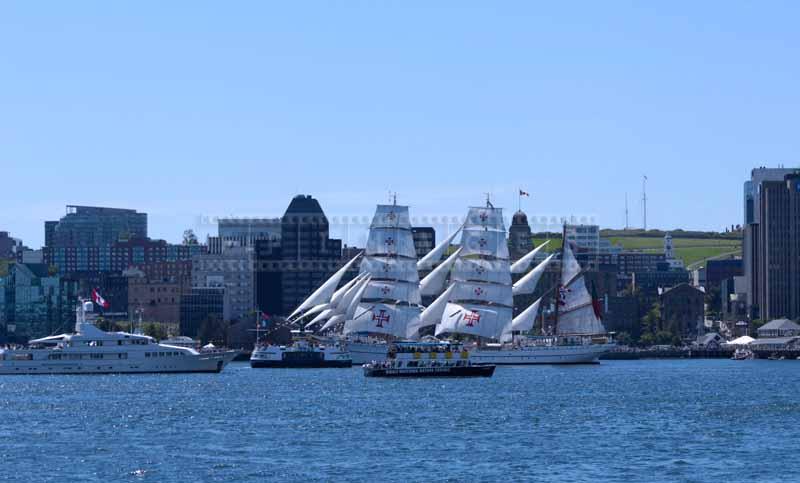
(482, 292)
(480, 270)
(570, 268)
(473, 319)
(391, 216)
(391, 241)
(313, 310)
(337, 296)
(389, 290)
(527, 284)
(324, 293)
(387, 268)
(434, 282)
(429, 260)
(340, 307)
(356, 300)
(523, 322)
(484, 242)
(320, 317)
(522, 265)
(485, 217)
(432, 314)
(388, 319)
(336, 319)
(576, 314)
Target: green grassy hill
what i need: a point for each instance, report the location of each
(693, 251)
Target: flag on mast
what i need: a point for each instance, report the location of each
(99, 300)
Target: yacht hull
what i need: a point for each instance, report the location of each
(187, 364)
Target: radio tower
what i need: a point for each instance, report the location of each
(626, 210)
(644, 200)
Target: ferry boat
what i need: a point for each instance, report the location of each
(303, 352)
(421, 359)
(92, 351)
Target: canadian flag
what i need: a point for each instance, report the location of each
(99, 300)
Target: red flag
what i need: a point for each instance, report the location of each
(596, 305)
(524, 193)
(99, 300)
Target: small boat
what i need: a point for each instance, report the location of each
(775, 357)
(424, 359)
(303, 352)
(742, 354)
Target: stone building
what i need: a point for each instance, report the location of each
(683, 310)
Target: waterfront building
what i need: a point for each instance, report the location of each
(233, 270)
(778, 328)
(155, 299)
(35, 303)
(424, 240)
(682, 310)
(92, 226)
(622, 314)
(770, 236)
(584, 237)
(200, 305)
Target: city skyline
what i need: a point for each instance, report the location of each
(183, 112)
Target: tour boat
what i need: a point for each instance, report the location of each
(92, 351)
(423, 359)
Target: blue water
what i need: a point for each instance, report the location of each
(627, 421)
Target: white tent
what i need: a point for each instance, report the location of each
(743, 340)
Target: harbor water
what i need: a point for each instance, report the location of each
(620, 421)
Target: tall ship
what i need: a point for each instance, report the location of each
(90, 350)
(382, 304)
(478, 302)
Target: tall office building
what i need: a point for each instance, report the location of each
(289, 269)
(95, 226)
(770, 241)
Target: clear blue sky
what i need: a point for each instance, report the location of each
(183, 109)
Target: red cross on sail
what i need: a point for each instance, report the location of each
(386, 289)
(482, 242)
(484, 216)
(472, 318)
(381, 318)
(389, 241)
(478, 291)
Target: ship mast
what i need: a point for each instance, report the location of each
(560, 280)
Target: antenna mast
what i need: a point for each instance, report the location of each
(626, 210)
(644, 200)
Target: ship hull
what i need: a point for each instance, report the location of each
(548, 355)
(417, 372)
(200, 364)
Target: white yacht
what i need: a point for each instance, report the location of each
(93, 351)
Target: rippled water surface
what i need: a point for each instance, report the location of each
(649, 421)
